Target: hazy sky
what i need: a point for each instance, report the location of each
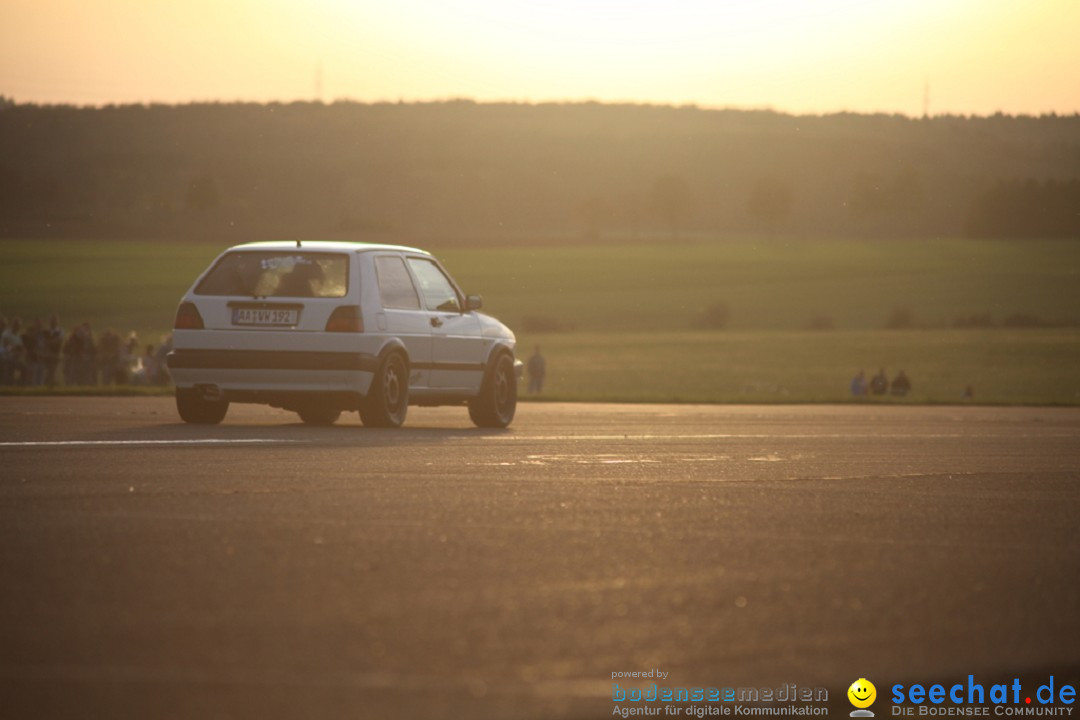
(980, 56)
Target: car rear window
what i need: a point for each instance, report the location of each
(278, 274)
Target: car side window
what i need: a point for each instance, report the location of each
(438, 292)
(395, 286)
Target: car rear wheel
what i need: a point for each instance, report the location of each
(494, 407)
(196, 409)
(319, 414)
(387, 400)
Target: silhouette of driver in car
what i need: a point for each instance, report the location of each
(304, 280)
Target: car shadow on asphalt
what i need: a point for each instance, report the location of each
(181, 434)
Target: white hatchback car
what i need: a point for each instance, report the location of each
(324, 327)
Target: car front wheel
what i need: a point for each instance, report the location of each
(494, 407)
(196, 409)
(387, 400)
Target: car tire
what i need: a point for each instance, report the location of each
(494, 407)
(196, 409)
(323, 415)
(387, 400)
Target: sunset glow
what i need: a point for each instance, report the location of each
(824, 56)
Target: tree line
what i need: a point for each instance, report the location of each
(505, 171)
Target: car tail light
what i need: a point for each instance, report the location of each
(346, 318)
(188, 317)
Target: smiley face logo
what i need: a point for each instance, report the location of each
(862, 693)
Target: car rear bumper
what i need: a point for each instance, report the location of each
(243, 374)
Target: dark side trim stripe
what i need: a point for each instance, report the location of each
(269, 360)
(446, 366)
(291, 360)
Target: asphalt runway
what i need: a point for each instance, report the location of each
(264, 569)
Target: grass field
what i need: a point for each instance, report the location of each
(1037, 366)
(126, 286)
(776, 284)
(636, 310)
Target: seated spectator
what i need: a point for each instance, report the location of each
(88, 367)
(858, 384)
(5, 365)
(72, 351)
(163, 351)
(108, 356)
(16, 353)
(146, 368)
(879, 384)
(53, 343)
(34, 342)
(901, 386)
(127, 360)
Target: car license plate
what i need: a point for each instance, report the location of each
(269, 317)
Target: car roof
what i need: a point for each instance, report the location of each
(326, 245)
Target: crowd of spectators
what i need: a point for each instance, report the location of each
(879, 384)
(40, 354)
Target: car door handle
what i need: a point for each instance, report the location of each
(436, 322)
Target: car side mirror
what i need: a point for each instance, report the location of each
(473, 302)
